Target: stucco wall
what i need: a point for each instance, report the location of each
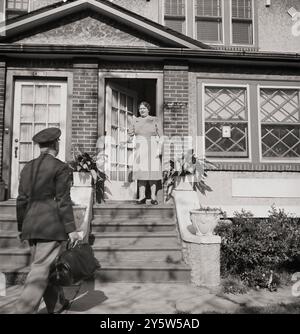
(36, 4)
(148, 9)
(224, 195)
(275, 26)
(88, 28)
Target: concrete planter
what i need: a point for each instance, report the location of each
(204, 221)
(81, 179)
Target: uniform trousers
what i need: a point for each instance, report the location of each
(37, 285)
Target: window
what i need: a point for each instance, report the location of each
(226, 121)
(280, 123)
(174, 15)
(242, 21)
(209, 20)
(20, 5)
(16, 7)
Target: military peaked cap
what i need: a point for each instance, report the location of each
(47, 135)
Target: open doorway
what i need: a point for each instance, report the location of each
(122, 99)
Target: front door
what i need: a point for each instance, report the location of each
(121, 105)
(37, 105)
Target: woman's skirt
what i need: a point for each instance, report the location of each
(147, 159)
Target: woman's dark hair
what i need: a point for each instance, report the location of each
(146, 104)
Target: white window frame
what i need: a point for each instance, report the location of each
(249, 143)
(223, 24)
(261, 158)
(253, 29)
(186, 16)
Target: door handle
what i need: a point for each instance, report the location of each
(16, 151)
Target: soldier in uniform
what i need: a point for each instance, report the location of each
(45, 218)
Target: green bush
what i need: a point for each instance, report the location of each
(257, 249)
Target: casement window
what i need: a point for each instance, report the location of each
(175, 15)
(280, 123)
(242, 22)
(209, 20)
(226, 121)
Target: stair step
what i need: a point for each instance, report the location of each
(132, 211)
(9, 239)
(8, 222)
(132, 226)
(154, 239)
(20, 257)
(8, 207)
(131, 253)
(124, 272)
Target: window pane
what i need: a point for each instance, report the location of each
(208, 8)
(210, 31)
(40, 113)
(54, 94)
(233, 146)
(27, 94)
(175, 7)
(27, 113)
(280, 141)
(242, 9)
(177, 25)
(242, 32)
(26, 132)
(226, 104)
(279, 105)
(54, 113)
(41, 94)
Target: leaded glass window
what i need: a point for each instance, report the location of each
(226, 121)
(280, 122)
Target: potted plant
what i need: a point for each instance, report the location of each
(86, 172)
(188, 173)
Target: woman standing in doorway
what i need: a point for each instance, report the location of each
(147, 155)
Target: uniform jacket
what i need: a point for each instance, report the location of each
(44, 207)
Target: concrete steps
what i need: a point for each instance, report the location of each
(132, 243)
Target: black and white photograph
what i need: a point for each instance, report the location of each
(149, 159)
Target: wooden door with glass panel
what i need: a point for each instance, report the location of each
(37, 105)
(121, 106)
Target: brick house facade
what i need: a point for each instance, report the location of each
(238, 103)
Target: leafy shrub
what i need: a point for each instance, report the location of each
(233, 285)
(256, 249)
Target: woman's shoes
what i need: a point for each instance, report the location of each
(142, 201)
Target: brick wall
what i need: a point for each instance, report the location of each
(85, 107)
(2, 106)
(176, 119)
